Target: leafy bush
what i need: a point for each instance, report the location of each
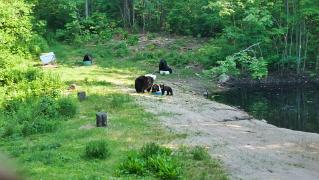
(97, 149)
(8, 60)
(134, 164)
(240, 63)
(228, 66)
(67, 107)
(22, 83)
(39, 126)
(36, 114)
(132, 40)
(258, 68)
(154, 160)
(120, 50)
(16, 26)
(48, 107)
(164, 167)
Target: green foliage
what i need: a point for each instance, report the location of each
(68, 106)
(132, 40)
(134, 164)
(164, 167)
(152, 149)
(226, 67)
(191, 18)
(97, 149)
(21, 83)
(15, 26)
(241, 63)
(36, 114)
(119, 100)
(258, 68)
(48, 107)
(120, 50)
(200, 153)
(154, 160)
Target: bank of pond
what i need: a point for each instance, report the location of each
(293, 107)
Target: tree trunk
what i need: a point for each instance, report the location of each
(86, 9)
(306, 46)
(299, 50)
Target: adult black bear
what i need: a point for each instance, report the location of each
(87, 57)
(164, 67)
(143, 83)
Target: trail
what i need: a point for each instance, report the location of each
(249, 148)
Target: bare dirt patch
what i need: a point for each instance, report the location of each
(249, 148)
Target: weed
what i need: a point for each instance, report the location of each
(119, 100)
(152, 149)
(152, 159)
(200, 153)
(97, 149)
(133, 164)
(67, 107)
(164, 167)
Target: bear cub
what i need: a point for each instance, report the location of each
(168, 90)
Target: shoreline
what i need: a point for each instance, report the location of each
(249, 148)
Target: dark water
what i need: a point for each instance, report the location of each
(292, 107)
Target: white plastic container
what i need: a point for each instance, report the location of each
(47, 58)
(164, 72)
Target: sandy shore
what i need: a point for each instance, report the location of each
(249, 148)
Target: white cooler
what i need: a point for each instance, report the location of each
(47, 58)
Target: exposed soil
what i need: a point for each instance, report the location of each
(249, 148)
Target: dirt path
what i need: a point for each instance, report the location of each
(249, 148)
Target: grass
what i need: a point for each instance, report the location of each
(61, 154)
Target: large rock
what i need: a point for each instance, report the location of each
(223, 78)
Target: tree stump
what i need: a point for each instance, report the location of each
(101, 119)
(81, 96)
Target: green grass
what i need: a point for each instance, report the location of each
(61, 154)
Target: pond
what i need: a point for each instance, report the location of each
(293, 107)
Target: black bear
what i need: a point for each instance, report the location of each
(168, 90)
(88, 57)
(143, 83)
(164, 67)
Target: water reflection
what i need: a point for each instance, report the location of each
(292, 107)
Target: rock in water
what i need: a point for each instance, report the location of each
(223, 78)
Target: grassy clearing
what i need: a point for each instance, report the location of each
(63, 154)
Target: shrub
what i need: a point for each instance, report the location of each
(134, 164)
(164, 167)
(97, 149)
(67, 107)
(152, 159)
(39, 126)
(132, 40)
(200, 153)
(48, 107)
(152, 149)
(120, 50)
(10, 129)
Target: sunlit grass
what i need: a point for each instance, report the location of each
(61, 154)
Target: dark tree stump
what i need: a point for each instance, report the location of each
(101, 119)
(81, 96)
